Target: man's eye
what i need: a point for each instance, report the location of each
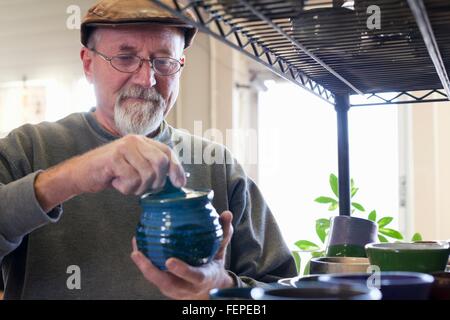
(126, 59)
(165, 63)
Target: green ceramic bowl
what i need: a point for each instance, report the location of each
(424, 257)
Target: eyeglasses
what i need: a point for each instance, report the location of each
(130, 63)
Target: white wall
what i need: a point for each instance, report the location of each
(35, 42)
(429, 179)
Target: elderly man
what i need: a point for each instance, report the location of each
(96, 164)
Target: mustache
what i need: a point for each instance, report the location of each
(138, 92)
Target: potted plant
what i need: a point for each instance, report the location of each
(322, 225)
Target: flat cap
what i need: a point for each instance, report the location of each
(111, 13)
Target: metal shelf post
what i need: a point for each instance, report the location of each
(342, 106)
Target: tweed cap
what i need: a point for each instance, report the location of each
(112, 13)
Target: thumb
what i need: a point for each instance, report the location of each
(225, 220)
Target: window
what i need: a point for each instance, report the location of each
(41, 100)
(298, 151)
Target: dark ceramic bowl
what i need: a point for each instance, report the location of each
(323, 291)
(311, 291)
(393, 285)
(236, 294)
(300, 281)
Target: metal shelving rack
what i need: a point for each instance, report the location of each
(328, 48)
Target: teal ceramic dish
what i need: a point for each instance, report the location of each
(179, 223)
(414, 257)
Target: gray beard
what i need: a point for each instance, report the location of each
(140, 118)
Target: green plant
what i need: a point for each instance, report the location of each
(322, 225)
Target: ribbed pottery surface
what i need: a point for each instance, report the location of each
(188, 230)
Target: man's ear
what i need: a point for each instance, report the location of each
(87, 63)
(183, 60)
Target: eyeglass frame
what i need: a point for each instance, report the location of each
(141, 62)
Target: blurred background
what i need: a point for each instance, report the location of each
(284, 136)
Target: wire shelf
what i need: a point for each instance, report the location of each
(334, 47)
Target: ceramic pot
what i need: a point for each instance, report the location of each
(349, 235)
(413, 257)
(325, 265)
(179, 223)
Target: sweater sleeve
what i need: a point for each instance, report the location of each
(20, 211)
(258, 253)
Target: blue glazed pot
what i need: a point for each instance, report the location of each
(180, 223)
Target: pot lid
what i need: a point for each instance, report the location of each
(170, 193)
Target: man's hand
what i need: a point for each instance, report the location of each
(182, 281)
(131, 165)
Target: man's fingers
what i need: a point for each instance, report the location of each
(169, 284)
(159, 163)
(150, 272)
(143, 167)
(225, 220)
(126, 178)
(184, 271)
(134, 244)
(176, 172)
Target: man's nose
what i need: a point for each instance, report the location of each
(145, 76)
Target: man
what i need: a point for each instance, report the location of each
(96, 164)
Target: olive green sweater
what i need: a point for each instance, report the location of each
(94, 231)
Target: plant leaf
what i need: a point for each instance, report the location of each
(352, 183)
(317, 254)
(354, 191)
(373, 216)
(334, 184)
(382, 238)
(297, 260)
(307, 267)
(384, 221)
(325, 200)
(333, 206)
(416, 237)
(357, 206)
(391, 233)
(322, 226)
(306, 245)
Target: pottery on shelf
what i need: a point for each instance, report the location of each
(423, 257)
(349, 235)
